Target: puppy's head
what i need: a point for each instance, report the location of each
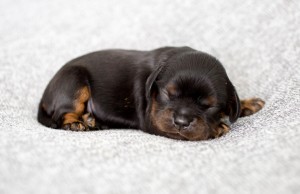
(188, 95)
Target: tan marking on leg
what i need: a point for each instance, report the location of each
(251, 106)
(83, 96)
(72, 119)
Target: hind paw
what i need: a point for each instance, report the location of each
(76, 126)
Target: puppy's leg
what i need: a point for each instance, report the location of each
(251, 106)
(65, 99)
(72, 119)
(248, 107)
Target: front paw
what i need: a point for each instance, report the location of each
(220, 130)
(251, 106)
(76, 126)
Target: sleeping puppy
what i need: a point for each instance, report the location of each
(177, 92)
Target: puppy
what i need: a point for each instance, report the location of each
(177, 92)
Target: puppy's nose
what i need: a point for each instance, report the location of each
(181, 121)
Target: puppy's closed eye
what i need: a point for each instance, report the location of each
(206, 103)
(164, 96)
(169, 92)
(172, 90)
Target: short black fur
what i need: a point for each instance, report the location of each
(126, 85)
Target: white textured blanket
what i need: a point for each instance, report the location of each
(258, 43)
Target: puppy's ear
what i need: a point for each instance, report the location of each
(150, 81)
(233, 105)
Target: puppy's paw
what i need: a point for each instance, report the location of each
(220, 130)
(89, 120)
(251, 106)
(76, 126)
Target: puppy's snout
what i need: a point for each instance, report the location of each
(182, 119)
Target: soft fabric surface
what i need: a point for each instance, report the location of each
(258, 43)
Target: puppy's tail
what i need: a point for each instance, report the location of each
(46, 119)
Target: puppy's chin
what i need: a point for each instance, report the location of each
(198, 130)
(195, 132)
(163, 122)
(187, 136)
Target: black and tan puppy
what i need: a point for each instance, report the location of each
(176, 92)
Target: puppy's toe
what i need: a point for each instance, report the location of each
(251, 106)
(75, 126)
(89, 120)
(221, 130)
(67, 126)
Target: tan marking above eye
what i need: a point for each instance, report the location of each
(172, 89)
(209, 101)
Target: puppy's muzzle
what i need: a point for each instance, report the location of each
(182, 119)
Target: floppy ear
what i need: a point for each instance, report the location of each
(150, 81)
(233, 105)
